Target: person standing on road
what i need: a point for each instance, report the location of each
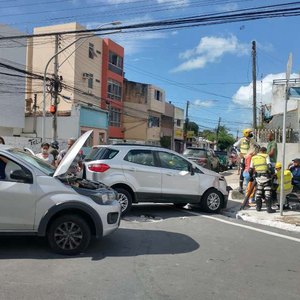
(76, 165)
(294, 167)
(262, 165)
(244, 145)
(272, 149)
(45, 155)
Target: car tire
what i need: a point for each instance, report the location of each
(125, 200)
(212, 201)
(69, 235)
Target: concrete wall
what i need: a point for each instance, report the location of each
(153, 104)
(12, 89)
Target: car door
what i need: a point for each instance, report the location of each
(17, 199)
(141, 171)
(179, 184)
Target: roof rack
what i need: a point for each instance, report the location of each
(138, 145)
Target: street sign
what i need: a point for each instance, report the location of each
(294, 92)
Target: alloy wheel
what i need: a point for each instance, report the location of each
(123, 200)
(68, 236)
(213, 201)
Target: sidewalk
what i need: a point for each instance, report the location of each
(289, 221)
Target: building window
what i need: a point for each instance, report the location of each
(114, 89)
(158, 95)
(178, 122)
(153, 122)
(91, 51)
(90, 81)
(115, 117)
(115, 63)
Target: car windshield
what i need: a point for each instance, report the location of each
(194, 153)
(101, 153)
(33, 160)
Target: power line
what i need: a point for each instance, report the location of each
(263, 12)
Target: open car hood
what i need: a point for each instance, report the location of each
(71, 154)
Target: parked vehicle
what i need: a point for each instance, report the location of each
(154, 174)
(206, 158)
(36, 199)
(223, 158)
(233, 159)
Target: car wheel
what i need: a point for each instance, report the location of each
(69, 235)
(125, 200)
(212, 201)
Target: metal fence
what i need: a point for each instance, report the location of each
(261, 135)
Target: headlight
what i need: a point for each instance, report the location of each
(105, 197)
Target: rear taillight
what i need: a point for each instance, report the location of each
(99, 168)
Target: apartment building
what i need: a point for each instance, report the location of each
(112, 86)
(80, 67)
(144, 105)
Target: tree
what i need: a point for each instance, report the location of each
(192, 126)
(225, 139)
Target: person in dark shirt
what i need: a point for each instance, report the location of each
(294, 167)
(2, 161)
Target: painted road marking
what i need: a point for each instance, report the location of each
(246, 227)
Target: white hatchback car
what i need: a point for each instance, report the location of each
(153, 174)
(36, 199)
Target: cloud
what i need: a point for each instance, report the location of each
(244, 94)
(134, 42)
(204, 103)
(228, 7)
(209, 50)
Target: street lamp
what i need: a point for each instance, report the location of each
(114, 23)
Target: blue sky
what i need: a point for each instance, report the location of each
(210, 66)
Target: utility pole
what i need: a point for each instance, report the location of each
(218, 130)
(254, 82)
(186, 121)
(55, 92)
(34, 112)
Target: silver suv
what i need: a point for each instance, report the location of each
(36, 199)
(153, 174)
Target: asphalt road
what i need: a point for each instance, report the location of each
(159, 253)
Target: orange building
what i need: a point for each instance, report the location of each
(112, 86)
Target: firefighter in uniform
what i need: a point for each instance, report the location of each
(263, 176)
(243, 145)
(287, 184)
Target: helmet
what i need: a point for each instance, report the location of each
(278, 165)
(247, 132)
(55, 145)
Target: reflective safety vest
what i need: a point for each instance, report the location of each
(287, 180)
(259, 162)
(245, 146)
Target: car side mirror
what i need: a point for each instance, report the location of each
(21, 176)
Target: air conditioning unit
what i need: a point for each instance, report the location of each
(85, 76)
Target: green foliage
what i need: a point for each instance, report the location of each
(225, 138)
(165, 142)
(192, 126)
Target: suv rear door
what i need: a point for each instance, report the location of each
(140, 170)
(178, 183)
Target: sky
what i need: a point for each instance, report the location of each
(209, 66)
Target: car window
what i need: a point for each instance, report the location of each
(7, 166)
(33, 160)
(194, 152)
(141, 157)
(172, 161)
(101, 153)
